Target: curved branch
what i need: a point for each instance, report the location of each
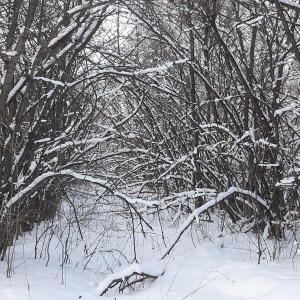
(220, 197)
(70, 173)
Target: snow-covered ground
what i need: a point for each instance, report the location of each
(207, 263)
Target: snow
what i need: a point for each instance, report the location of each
(75, 9)
(203, 269)
(286, 181)
(279, 112)
(9, 53)
(16, 88)
(209, 262)
(267, 165)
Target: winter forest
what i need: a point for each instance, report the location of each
(137, 131)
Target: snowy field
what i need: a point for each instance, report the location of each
(207, 263)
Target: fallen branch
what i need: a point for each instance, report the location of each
(128, 277)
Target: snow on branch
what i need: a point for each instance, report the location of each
(9, 53)
(147, 71)
(128, 277)
(162, 68)
(290, 4)
(40, 179)
(75, 143)
(220, 197)
(178, 198)
(55, 82)
(62, 34)
(29, 188)
(179, 161)
(13, 92)
(95, 74)
(262, 141)
(213, 125)
(70, 173)
(136, 201)
(86, 5)
(292, 107)
(286, 182)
